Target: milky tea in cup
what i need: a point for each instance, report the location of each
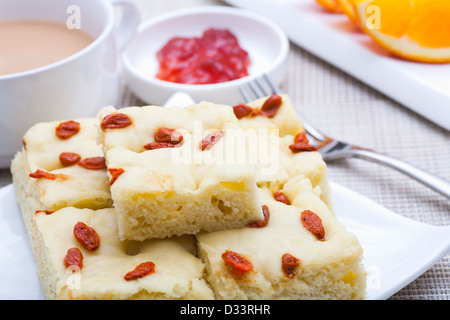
(30, 44)
(59, 60)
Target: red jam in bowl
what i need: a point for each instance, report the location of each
(213, 58)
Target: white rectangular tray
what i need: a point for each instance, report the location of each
(423, 88)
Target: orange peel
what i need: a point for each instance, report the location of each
(330, 5)
(416, 30)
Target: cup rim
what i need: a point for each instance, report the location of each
(106, 30)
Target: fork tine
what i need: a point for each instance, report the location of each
(256, 91)
(261, 87)
(245, 95)
(271, 85)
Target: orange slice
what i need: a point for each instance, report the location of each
(347, 7)
(417, 30)
(330, 5)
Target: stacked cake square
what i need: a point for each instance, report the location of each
(204, 202)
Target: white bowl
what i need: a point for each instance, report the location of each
(265, 42)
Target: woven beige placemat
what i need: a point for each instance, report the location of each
(347, 109)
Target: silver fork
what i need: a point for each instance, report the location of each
(332, 149)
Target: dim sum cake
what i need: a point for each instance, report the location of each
(80, 256)
(60, 165)
(168, 171)
(300, 251)
(276, 116)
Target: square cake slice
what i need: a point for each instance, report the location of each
(60, 165)
(300, 251)
(289, 153)
(80, 256)
(170, 174)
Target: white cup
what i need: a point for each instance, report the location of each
(75, 87)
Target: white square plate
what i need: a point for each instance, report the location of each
(396, 250)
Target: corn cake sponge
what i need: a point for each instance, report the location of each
(274, 135)
(184, 188)
(324, 269)
(70, 184)
(178, 274)
(276, 164)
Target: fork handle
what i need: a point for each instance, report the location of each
(435, 183)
